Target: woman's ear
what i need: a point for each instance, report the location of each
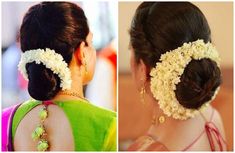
(80, 53)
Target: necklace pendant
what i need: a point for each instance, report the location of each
(161, 119)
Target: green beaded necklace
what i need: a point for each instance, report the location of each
(39, 134)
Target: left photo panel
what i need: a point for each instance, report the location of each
(59, 76)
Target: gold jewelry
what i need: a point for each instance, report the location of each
(85, 63)
(142, 93)
(160, 119)
(86, 71)
(74, 94)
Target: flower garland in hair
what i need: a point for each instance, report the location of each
(51, 60)
(166, 75)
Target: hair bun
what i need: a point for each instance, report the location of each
(198, 83)
(43, 83)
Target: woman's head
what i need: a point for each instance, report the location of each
(63, 27)
(158, 27)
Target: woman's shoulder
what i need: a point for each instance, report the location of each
(78, 109)
(217, 120)
(26, 104)
(89, 122)
(213, 115)
(84, 106)
(72, 107)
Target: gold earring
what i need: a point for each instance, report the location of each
(142, 93)
(160, 120)
(85, 63)
(86, 68)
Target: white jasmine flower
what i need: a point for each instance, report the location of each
(51, 60)
(166, 75)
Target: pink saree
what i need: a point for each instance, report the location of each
(7, 116)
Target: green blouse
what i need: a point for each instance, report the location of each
(94, 128)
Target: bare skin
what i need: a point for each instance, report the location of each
(58, 128)
(176, 135)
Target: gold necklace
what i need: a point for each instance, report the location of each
(74, 94)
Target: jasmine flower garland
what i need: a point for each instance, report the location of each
(51, 60)
(166, 75)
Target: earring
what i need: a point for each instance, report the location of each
(85, 63)
(86, 68)
(142, 93)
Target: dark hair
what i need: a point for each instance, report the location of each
(158, 27)
(60, 26)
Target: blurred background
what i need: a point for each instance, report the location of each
(220, 18)
(102, 17)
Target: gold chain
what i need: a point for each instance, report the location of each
(74, 94)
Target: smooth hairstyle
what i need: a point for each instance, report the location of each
(158, 27)
(60, 26)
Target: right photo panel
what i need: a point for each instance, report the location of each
(175, 88)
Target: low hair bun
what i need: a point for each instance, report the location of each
(43, 83)
(198, 83)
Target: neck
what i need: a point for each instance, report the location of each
(76, 87)
(152, 107)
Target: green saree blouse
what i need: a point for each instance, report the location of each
(93, 128)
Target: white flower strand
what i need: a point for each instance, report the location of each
(166, 75)
(51, 60)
